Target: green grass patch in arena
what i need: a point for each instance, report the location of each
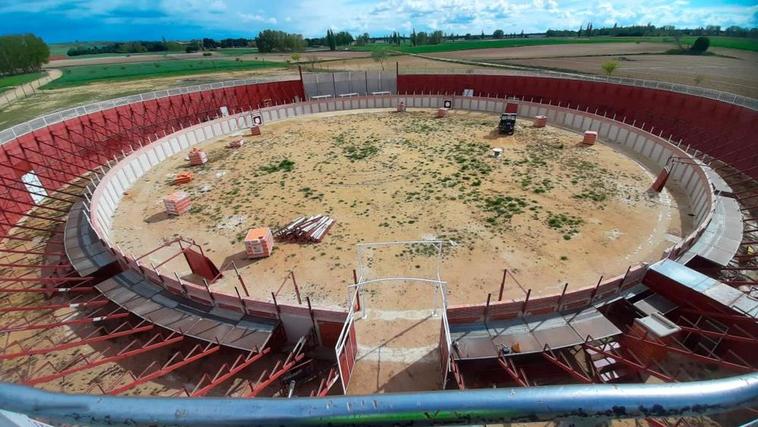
(9, 82)
(81, 75)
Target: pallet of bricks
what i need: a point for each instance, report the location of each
(198, 157)
(259, 243)
(310, 229)
(177, 203)
(182, 178)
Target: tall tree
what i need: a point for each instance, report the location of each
(331, 40)
(22, 53)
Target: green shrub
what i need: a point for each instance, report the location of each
(701, 44)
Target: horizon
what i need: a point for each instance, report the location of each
(68, 21)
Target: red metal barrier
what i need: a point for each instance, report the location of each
(719, 129)
(61, 152)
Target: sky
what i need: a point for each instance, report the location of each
(115, 20)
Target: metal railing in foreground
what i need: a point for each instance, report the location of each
(565, 402)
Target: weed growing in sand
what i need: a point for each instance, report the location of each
(567, 224)
(285, 165)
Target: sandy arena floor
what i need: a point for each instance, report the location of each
(551, 210)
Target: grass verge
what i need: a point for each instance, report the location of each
(10, 82)
(82, 75)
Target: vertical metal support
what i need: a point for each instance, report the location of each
(526, 301)
(239, 277)
(502, 285)
(297, 289)
(487, 307)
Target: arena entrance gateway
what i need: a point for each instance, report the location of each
(398, 306)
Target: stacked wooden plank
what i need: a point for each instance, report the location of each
(310, 229)
(182, 178)
(259, 242)
(236, 144)
(540, 121)
(177, 203)
(198, 157)
(590, 137)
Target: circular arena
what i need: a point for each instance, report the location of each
(373, 233)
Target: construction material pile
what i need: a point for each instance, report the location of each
(590, 137)
(441, 112)
(540, 121)
(197, 157)
(259, 243)
(177, 203)
(182, 178)
(236, 144)
(255, 130)
(311, 229)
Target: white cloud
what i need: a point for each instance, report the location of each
(313, 17)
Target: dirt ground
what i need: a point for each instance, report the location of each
(729, 70)
(735, 75)
(550, 51)
(550, 211)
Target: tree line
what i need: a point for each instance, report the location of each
(651, 30)
(138, 46)
(22, 53)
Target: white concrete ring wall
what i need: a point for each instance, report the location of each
(690, 176)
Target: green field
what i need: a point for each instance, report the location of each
(81, 75)
(13, 81)
(237, 51)
(728, 42)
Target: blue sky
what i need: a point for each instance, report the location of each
(69, 20)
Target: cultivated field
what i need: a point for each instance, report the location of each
(551, 211)
(75, 76)
(726, 42)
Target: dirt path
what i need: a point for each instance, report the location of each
(9, 96)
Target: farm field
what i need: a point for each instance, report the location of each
(729, 70)
(75, 76)
(551, 211)
(726, 42)
(730, 74)
(49, 100)
(9, 82)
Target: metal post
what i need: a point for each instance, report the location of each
(502, 285)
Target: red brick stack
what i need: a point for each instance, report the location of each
(255, 130)
(177, 203)
(540, 121)
(259, 242)
(198, 157)
(182, 178)
(590, 137)
(441, 112)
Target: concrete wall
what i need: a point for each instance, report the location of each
(690, 177)
(349, 82)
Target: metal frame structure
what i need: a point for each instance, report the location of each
(65, 150)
